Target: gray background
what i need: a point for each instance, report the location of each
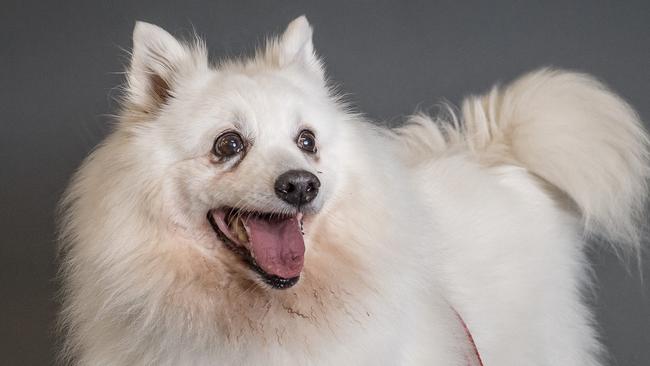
(61, 62)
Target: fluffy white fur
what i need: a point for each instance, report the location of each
(485, 213)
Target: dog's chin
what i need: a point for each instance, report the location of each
(269, 244)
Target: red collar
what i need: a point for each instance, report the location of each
(473, 358)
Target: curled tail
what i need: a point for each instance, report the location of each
(569, 130)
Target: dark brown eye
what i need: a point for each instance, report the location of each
(307, 141)
(228, 144)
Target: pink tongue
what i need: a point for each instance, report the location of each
(277, 246)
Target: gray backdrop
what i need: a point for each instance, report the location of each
(61, 62)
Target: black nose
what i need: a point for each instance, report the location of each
(297, 187)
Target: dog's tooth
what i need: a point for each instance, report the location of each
(239, 230)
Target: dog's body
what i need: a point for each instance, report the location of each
(415, 233)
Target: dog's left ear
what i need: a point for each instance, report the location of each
(296, 47)
(159, 64)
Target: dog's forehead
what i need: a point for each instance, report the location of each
(258, 99)
(256, 87)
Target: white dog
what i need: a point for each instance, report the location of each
(239, 214)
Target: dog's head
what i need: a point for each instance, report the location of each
(244, 151)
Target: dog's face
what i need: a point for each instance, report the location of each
(245, 152)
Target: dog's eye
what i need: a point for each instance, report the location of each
(228, 144)
(307, 141)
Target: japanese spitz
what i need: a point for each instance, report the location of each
(240, 214)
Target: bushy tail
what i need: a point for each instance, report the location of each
(570, 130)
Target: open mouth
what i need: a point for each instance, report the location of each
(270, 243)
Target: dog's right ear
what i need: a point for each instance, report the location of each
(159, 64)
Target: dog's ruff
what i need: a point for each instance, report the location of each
(484, 213)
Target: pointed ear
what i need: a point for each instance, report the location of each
(159, 63)
(296, 47)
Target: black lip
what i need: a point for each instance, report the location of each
(274, 281)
